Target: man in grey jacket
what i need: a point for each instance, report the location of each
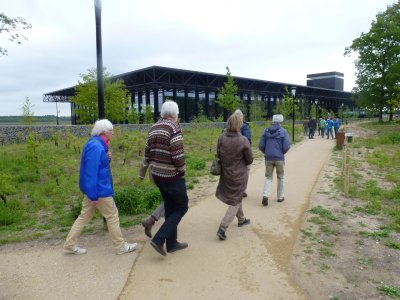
(274, 143)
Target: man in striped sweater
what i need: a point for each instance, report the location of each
(165, 155)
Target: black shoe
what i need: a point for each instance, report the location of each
(221, 234)
(178, 246)
(265, 201)
(245, 222)
(281, 200)
(158, 248)
(244, 195)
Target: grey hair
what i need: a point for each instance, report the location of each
(101, 126)
(170, 109)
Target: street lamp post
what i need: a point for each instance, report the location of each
(57, 111)
(100, 83)
(293, 90)
(342, 110)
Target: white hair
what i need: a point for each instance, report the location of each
(170, 109)
(239, 112)
(277, 119)
(101, 126)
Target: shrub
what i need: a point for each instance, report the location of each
(10, 213)
(136, 200)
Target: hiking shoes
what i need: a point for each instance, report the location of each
(265, 201)
(221, 234)
(126, 248)
(158, 248)
(245, 222)
(75, 250)
(178, 246)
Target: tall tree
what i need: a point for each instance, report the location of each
(116, 99)
(11, 26)
(227, 94)
(378, 62)
(27, 112)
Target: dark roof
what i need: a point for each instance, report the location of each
(157, 77)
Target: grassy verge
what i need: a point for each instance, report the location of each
(39, 190)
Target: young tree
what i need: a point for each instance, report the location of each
(11, 26)
(27, 112)
(257, 109)
(116, 99)
(148, 115)
(287, 105)
(227, 94)
(378, 62)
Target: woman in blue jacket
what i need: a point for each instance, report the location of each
(95, 182)
(274, 143)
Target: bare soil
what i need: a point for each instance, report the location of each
(333, 260)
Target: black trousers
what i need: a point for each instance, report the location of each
(176, 205)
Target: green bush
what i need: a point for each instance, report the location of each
(195, 163)
(136, 200)
(10, 213)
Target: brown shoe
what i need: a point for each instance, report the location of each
(148, 224)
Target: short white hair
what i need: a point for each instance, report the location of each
(239, 112)
(101, 126)
(170, 108)
(277, 119)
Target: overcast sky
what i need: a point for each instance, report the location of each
(273, 40)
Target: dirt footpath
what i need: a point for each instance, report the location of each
(250, 264)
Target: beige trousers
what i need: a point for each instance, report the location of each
(269, 171)
(109, 211)
(232, 211)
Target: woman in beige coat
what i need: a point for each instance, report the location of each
(234, 152)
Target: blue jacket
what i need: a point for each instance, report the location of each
(95, 179)
(274, 143)
(245, 131)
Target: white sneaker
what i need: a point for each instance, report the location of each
(76, 250)
(126, 248)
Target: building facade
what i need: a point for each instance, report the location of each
(195, 92)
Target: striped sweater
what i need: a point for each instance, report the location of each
(164, 151)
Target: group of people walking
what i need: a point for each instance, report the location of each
(324, 126)
(164, 161)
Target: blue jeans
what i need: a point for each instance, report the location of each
(176, 205)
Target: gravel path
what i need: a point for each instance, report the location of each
(250, 264)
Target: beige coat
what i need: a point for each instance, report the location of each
(235, 153)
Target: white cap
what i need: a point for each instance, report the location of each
(277, 119)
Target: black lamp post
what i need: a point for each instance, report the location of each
(293, 90)
(100, 83)
(342, 110)
(57, 111)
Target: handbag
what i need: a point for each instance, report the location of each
(215, 166)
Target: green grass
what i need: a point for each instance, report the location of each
(366, 260)
(39, 179)
(380, 189)
(323, 213)
(390, 290)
